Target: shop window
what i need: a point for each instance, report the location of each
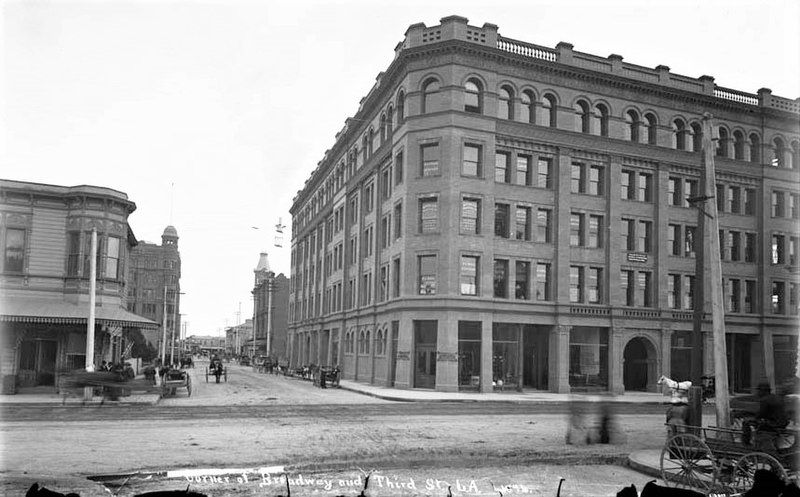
(505, 355)
(469, 355)
(588, 358)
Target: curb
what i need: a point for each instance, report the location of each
(642, 467)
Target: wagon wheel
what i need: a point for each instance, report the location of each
(744, 472)
(206, 375)
(189, 385)
(687, 462)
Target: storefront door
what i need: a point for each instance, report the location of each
(37, 363)
(425, 354)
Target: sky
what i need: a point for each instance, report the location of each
(211, 115)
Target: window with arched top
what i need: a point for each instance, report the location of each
(401, 107)
(722, 144)
(526, 107)
(549, 111)
(430, 96)
(678, 135)
(364, 148)
(632, 126)
(794, 157)
(370, 141)
(755, 148)
(697, 137)
(600, 120)
(383, 128)
(738, 145)
(473, 99)
(777, 153)
(367, 343)
(651, 122)
(583, 118)
(379, 343)
(505, 103)
(389, 121)
(361, 342)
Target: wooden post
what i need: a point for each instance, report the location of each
(696, 406)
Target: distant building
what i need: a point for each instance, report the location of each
(155, 274)
(500, 214)
(271, 296)
(209, 344)
(46, 237)
(239, 339)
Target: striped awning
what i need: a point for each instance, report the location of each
(51, 311)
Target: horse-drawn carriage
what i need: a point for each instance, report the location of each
(216, 369)
(174, 379)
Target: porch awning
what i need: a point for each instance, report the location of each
(41, 310)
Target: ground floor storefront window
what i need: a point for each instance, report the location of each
(588, 358)
(469, 355)
(505, 355)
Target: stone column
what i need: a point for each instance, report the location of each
(616, 341)
(559, 359)
(389, 355)
(405, 341)
(486, 353)
(447, 353)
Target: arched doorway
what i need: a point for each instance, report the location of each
(639, 364)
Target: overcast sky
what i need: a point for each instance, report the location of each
(211, 115)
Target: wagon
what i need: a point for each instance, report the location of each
(175, 379)
(713, 459)
(217, 369)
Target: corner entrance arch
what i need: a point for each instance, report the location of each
(639, 365)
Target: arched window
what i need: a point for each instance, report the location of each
(600, 120)
(738, 145)
(652, 128)
(430, 96)
(364, 149)
(777, 153)
(473, 100)
(389, 121)
(583, 118)
(697, 137)
(549, 111)
(505, 103)
(361, 342)
(401, 107)
(794, 158)
(383, 128)
(632, 126)
(379, 343)
(370, 141)
(367, 344)
(678, 135)
(755, 148)
(526, 111)
(722, 144)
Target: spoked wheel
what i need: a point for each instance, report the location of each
(746, 467)
(687, 462)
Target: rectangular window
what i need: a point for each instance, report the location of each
(368, 198)
(501, 221)
(543, 225)
(398, 218)
(398, 168)
(522, 281)
(470, 216)
(689, 241)
(469, 274)
(793, 296)
(734, 199)
(543, 282)
(428, 215)
(471, 166)
(645, 192)
(794, 246)
(644, 243)
(674, 196)
(689, 191)
(688, 292)
(396, 277)
(777, 204)
(576, 284)
(353, 208)
(426, 268)
(501, 278)
(732, 288)
(576, 230)
(87, 250)
(644, 286)
(596, 180)
(595, 237)
(674, 291)
(522, 223)
(384, 283)
(674, 239)
(501, 169)
(794, 206)
(750, 201)
(778, 302)
(367, 240)
(430, 159)
(778, 254)
(627, 185)
(545, 178)
(627, 286)
(577, 179)
(523, 173)
(720, 197)
(594, 285)
(112, 259)
(386, 231)
(735, 245)
(628, 235)
(749, 296)
(750, 247)
(14, 251)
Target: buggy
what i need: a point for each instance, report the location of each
(216, 369)
(173, 380)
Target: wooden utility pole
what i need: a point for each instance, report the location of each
(712, 270)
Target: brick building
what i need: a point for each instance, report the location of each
(46, 238)
(501, 214)
(271, 307)
(155, 280)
